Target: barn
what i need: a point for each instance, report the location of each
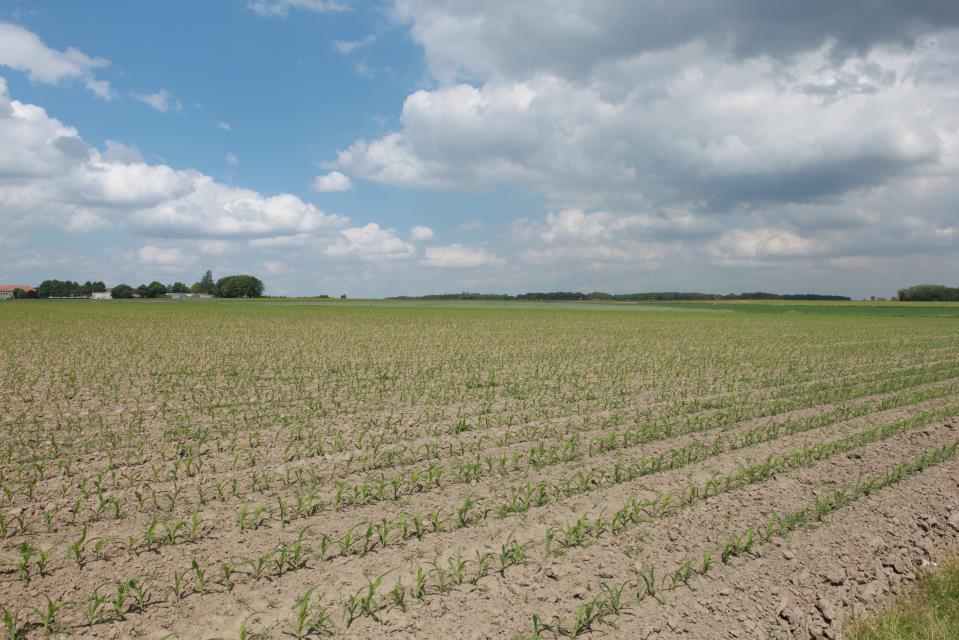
(6, 290)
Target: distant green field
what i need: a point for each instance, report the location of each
(909, 309)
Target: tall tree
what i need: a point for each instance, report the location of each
(153, 290)
(205, 285)
(239, 286)
(122, 291)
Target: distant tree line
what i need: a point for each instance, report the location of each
(238, 286)
(155, 289)
(929, 293)
(626, 297)
(68, 289)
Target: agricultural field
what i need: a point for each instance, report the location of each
(268, 469)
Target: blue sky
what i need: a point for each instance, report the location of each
(409, 147)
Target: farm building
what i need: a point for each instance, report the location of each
(178, 296)
(6, 290)
(101, 295)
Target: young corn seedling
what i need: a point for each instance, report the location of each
(463, 513)
(301, 612)
(706, 563)
(26, 551)
(418, 528)
(383, 532)
(282, 510)
(648, 588)
(683, 574)
(540, 627)
(279, 559)
(322, 623)
(436, 521)
(225, 577)
(584, 620)
(482, 562)
(244, 632)
(178, 587)
(297, 557)
(512, 552)
(441, 577)
(324, 545)
(99, 546)
(149, 535)
(419, 584)
(11, 623)
(370, 602)
(367, 540)
(730, 549)
(350, 606)
(171, 531)
(119, 599)
(550, 535)
(260, 517)
(345, 542)
(91, 612)
(47, 615)
(259, 566)
(200, 574)
(196, 529)
(398, 595)
(75, 549)
(614, 597)
(457, 566)
(139, 590)
(241, 517)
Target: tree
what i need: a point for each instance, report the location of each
(929, 293)
(20, 294)
(239, 286)
(178, 287)
(205, 285)
(153, 290)
(121, 291)
(58, 289)
(88, 288)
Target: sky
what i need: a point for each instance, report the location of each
(405, 147)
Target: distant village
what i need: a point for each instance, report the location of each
(235, 286)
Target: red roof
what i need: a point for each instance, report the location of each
(8, 288)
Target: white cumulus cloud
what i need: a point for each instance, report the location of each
(49, 176)
(419, 233)
(370, 242)
(652, 129)
(349, 46)
(281, 8)
(750, 246)
(160, 100)
(456, 256)
(163, 256)
(332, 182)
(23, 50)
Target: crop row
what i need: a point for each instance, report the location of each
(412, 481)
(603, 609)
(442, 575)
(364, 538)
